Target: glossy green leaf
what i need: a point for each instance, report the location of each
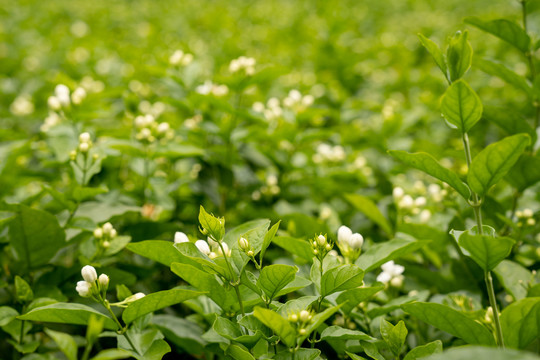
(112, 354)
(66, 313)
(512, 276)
(502, 72)
(268, 240)
(298, 247)
(394, 336)
(351, 298)
(301, 354)
(492, 163)
(459, 55)
(436, 52)
(452, 321)
(23, 290)
(318, 320)
(378, 254)
(487, 251)
(460, 106)
(214, 226)
(158, 250)
(238, 353)
(65, 343)
(181, 332)
(429, 165)
(278, 324)
(343, 277)
(481, 353)
(156, 301)
(232, 331)
(273, 278)
(35, 235)
(339, 333)
(520, 322)
(370, 210)
(215, 266)
(7, 314)
(422, 351)
(354, 356)
(504, 30)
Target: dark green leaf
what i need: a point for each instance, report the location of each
(66, 313)
(459, 55)
(351, 298)
(273, 278)
(394, 336)
(370, 210)
(504, 30)
(520, 322)
(380, 253)
(485, 250)
(422, 351)
(341, 278)
(278, 324)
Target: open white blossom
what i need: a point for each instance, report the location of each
(243, 63)
(391, 273)
(180, 58)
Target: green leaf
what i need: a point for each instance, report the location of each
(380, 253)
(370, 210)
(35, 235)
(487, 251)
(23, 290)
(298, 247)
(429, 165)
(501, 71)
(237, 352)
(175, 150)
(520, 323)
(181, 332)
(66, 313)
(156, 301)
(339, 333)
(191, 252)
(65, 343)
(213, 226)
(343, 277)
(459, 55)
(268, 240)
(371, 350)
(278, 324)
(452, 321)
(504, 30)
(481, 353)
(7, 314)
(510, 121)
(354, 356)
(112, 354)
(301, 354)
(161, 251)
(94, 328)
(460, 106)
(436, 52)
(422, 351)
(273, 278)
(296, 305)
(511, 275)
(394, 336)
(232, 331)
(318, 320)
(525, 173)
(492, 163)
(351, 298)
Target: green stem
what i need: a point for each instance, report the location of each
(87, 350)
(236, 282)
(121, 329)
(236, 288)
(493, 303)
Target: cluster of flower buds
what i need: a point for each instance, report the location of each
(180, 58)
(349, 243)
(271, 188)
(92, 286)
(329, 153)
(85, 144)
(210, 88)
(301, 319)
(525, 217)
(321, 246)
(105, 234)
(212, 248)
(298, 102)
(149, 130)
(243, 63)
(245, 246)
(63, 98)
(193, 122)
(391, 274)
(271, 111)
(411, 206)
(22, 105)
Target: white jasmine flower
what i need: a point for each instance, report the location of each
(61, 91)
(89, 273)
(103, 281)
(203, 247)
(391, 271)
(78, 95)
(84, 137)
(180, 237)
(84, 288)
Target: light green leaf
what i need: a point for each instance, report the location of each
(214, 226)
(452, 321)
(23, 290)
(174, 151)
(492, 163)
(339, 333)
(156, 301)
(511, 275)
(273, 278)
(512, 122)
(354, 356)
(487, 251)
(7, 314)
(525, 173)
(35, 235)
(520, 322)
(436, 52)
(422, 351)
(394, 336)
(351, 298)
(459, 55)
(268, 240)
(232, 331)
(296, 305)
(190, 251)
(112, 354)
(65, 343)
(501, 71)
(460, 106)
(278, 324)
(343, 277)
(301, 354)
(181, 332)
(237, 352)
(66, 313)
(429, 165)
(504, 30)
(318, 320)
(161, 251)
(370, 210)
(482, 353)
(298, 247)
(380, 253)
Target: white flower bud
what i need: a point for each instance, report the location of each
(163, 127)
(420, 201)
(62, 93)
(250, 253)
(321, 240)
(84, 147)
(180, 237)
(54, 103)
(103, 281)
(113, 233)
(98, 233)
(243, 243)
(398, 193)
(139, 295)
(527, 213)
(397, 281)
(356, 241)
(106, 244)
(84, 137)
(406, 202)
(203, 246)
(89, 273)
(344, 235)
(226, 251)
(107, 227)
(304, 316)
(84, 288)
(78, 95)
(293, 317)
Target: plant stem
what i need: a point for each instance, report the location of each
(236, 288)
(237, 282)
(120, 327)
(87, 350)
(493, 303)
